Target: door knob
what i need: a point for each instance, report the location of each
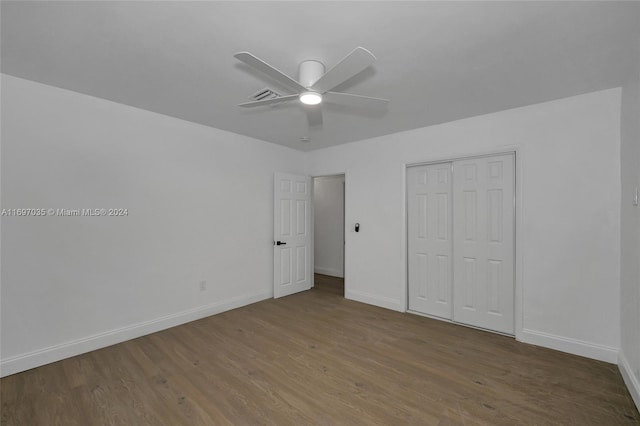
(280, 243)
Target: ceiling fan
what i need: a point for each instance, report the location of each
(314, 84)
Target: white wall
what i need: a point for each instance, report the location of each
(196, 194)
(200, 207)
(328, 226)
(569, 220)
(630, 234)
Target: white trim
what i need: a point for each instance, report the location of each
(312, 232)
(404, 242)
(26, 361)
(569, 345)
(507, 149)
(519, 242)
(630, 379)
(328, 271)
(373, 299)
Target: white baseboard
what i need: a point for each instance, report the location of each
(26, 361)
(630, 379)
(569, 345)
(372, 299)
(328, 271)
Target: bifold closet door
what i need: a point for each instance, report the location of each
(429, 239)
(483, 242)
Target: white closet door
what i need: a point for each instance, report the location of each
(429, 239)
(483, 242)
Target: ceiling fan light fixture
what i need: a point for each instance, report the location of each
(310, 98)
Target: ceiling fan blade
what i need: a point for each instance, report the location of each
(269, 101)
(354, 100)
(272, 72)
(314, 115)
(351, 65)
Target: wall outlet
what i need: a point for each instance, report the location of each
(203, 285)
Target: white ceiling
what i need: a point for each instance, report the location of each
(437, 61)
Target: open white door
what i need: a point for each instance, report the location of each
(292, 259)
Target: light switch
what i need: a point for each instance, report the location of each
(635, 197)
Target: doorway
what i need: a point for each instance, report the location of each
(461, 241)
(328, 231)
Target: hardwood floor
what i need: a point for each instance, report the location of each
(317, 358)
(333, 285)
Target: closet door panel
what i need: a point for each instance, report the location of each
(483, 242)
(429, 217)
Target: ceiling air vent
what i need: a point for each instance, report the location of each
(265, 93)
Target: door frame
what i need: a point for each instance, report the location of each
(518, 153)
(345, 268)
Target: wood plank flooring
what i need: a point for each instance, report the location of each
(316, 358)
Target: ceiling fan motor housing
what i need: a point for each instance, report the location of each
(309, 72)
